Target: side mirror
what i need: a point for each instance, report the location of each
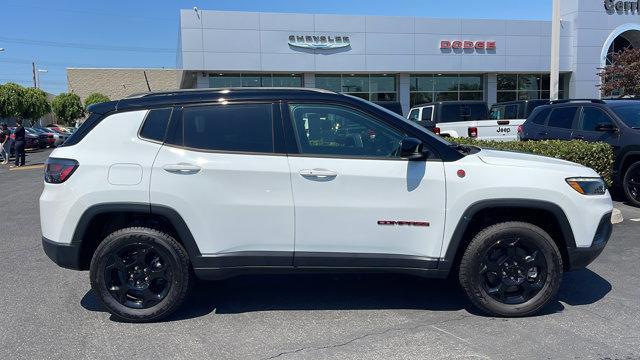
(606, 127)
(412, 149)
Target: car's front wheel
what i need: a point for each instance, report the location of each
(511, 269)
(631, 184)
(140, 274)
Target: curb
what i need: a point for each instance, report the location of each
(616, 216)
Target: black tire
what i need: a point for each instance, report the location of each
(495, 285)
(140, 274)
(631, 184)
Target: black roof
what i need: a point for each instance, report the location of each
(165, 98)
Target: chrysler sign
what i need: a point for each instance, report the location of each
(319, 42)
(465, 44)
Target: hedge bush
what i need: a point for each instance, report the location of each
(598, 155)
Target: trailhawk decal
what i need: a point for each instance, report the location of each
(403, 223)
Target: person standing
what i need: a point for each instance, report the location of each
(20, 143)
(5, 138)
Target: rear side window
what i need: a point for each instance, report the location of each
(155, 124)
(562, 117)
(232, 127)
(511, 112)
(540, 117)
(463, 112)
(426, 113)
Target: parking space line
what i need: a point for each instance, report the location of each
(27, 167)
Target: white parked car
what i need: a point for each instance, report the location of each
(156, 189)
(462, 119)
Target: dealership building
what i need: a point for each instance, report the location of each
(407, 59)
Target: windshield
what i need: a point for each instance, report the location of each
(630, 114)
(416, 126)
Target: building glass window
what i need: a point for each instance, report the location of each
(526, 87)
(255, 80)
(429, 87)
(373, 87)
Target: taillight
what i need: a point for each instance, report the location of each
(57, 171)
(520, 130)
(473, 132)
(436, 130)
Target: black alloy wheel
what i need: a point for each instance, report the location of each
(138, 276)
(631, 184)
(513, 271)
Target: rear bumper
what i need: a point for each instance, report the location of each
(65, 255)
(580, 257)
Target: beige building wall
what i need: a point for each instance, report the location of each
(120, 83)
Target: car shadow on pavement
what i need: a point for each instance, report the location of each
(351, 292)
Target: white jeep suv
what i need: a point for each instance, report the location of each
(157, 189)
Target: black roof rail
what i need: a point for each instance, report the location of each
(563, 101)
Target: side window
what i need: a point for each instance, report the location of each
(540, 117)
(591, 117)
(414, 115)
(511, 112)
(155, 124)
(235, 127)
(342, 131)
(562, 117)
(426, 113)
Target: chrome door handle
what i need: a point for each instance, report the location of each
(182, 169)
(318, 173)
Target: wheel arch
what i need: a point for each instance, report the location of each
(479, 215)
(630, 156)
(102, 219)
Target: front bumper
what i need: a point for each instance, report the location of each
(65, 255)
(580, 257)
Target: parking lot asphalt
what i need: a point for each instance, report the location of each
(51, 313)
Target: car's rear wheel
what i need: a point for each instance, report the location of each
(511, 269)
(140, 274)
(631, 184)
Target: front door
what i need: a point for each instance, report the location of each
(357, 203)
(589, 120)
(218, 169)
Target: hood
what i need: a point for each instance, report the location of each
(508, 158)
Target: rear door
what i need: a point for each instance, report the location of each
(357, 204)
(590, 118)
(560, 123)
(221, 171)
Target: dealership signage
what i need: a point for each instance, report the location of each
(319, 42)
(466, 44)
(613, 6)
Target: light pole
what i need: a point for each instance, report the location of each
(39, 71)
(556, 22)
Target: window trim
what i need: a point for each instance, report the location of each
(178, 117)
(292, 136)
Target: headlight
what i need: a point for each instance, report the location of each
(587, 185)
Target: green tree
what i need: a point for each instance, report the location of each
(35, 105)
(67, 107)
(11, 100)
(622, 77)
(95, 98)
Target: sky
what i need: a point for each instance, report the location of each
(143, 33)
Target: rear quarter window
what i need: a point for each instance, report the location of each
(562, 117)
(540, 117)
(155, 124)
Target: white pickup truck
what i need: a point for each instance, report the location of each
(471, 118)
